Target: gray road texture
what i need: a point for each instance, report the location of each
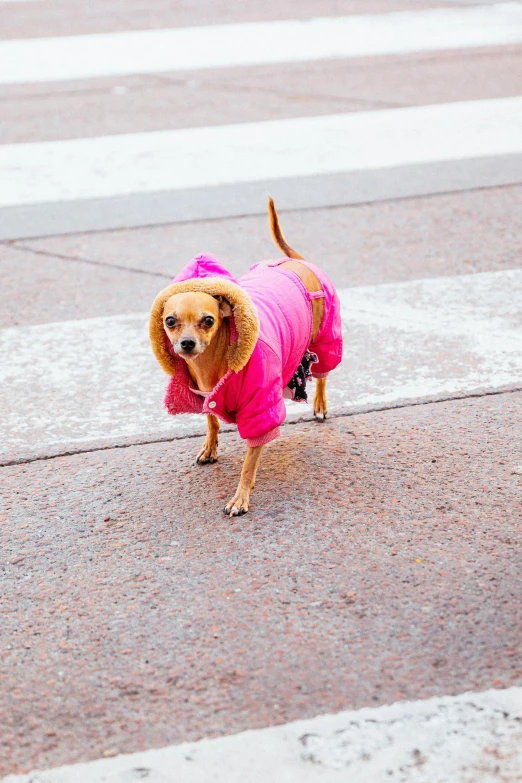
(130, 104)
(107, 273)
(380, 560)
(28, 20)
(135, 614)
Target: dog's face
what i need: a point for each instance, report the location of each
(192, 320)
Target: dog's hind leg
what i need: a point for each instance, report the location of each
(209, 451)
(320, 404)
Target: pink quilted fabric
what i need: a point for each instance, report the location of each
(253, 397)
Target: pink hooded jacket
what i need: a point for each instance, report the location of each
(270, 331)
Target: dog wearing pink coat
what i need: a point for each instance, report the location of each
(236, 348)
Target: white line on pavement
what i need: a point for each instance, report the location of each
(220, 46)
(75, 382)
(177, 160)
(470, 737)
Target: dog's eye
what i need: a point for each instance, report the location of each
(170, 321)
(208, 320)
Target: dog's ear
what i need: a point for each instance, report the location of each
(224, 307)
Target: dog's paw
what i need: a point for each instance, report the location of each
(208, 454)
(238, 505)
(320, 409)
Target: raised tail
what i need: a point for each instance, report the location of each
(277, 234)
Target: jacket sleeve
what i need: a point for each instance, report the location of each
(328, 344)
(261, 409)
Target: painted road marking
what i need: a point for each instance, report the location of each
(473, 736)
(223, 46)
(249, 198)
(183, 159)
(95, 380)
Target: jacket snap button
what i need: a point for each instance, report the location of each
(212, 404)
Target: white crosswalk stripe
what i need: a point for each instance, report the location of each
(251, 152)
(100, 375)
(456, 738)
(222, 46)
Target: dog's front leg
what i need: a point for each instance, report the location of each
(209, 451)
(239, 503)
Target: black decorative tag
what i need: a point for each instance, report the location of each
(301, 376)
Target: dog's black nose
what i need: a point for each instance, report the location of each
(188, 345)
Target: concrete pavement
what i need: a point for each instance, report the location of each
(245, 44)
(380, 562)
(137, 615)
(365, 244)
(459, 336)
(185, 167)
(127, 104)
(32, 19)
(431, 741)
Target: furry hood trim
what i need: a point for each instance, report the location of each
(205, 273)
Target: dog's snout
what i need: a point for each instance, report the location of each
(188, 345)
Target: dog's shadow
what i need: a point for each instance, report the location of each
(297, 473)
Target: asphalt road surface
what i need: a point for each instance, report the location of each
(363, 622)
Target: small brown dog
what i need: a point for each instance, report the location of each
(202, 327)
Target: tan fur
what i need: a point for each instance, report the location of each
(245, 319)
(320, 405)
(239, 503)
(189, 302)
(207, 362)
(307, 276)
(189, 310)
(277, 234)
(209, 451)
